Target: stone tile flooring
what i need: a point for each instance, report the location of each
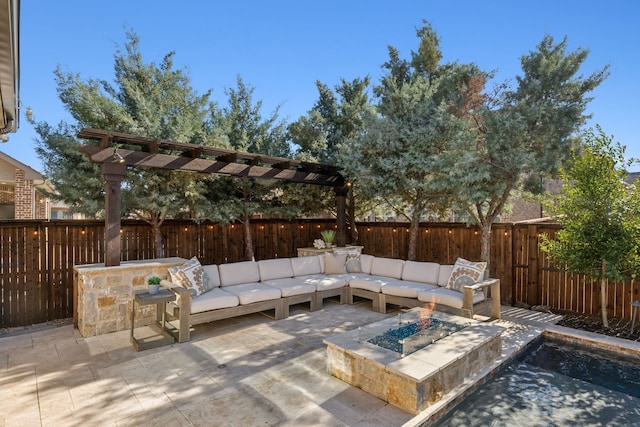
(247, 371)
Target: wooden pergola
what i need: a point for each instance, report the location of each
(171, 155)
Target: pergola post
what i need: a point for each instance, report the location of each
(341, 217)
(113, 174)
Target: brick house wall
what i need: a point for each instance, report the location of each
(20, 196)
(24, 196)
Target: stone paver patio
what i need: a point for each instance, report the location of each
(247, 371)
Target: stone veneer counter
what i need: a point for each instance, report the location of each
(420, 379)
(104, 295)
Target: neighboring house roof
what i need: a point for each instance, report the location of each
(29, 173)
(9, 65)
(632, 177)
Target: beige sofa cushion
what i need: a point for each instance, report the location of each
(290, 286)
(323, 282)
(236, 273)
(448, 297)
(275, 269)
(214, 275)
(443, 276)
(423, 272)
(213, 300)
(306, 265)
(249, 293)
(405, 288)
(387, 267)
(370, 283)
(365, 263)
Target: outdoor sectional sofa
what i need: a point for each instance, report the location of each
(246, 287)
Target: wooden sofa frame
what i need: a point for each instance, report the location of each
(379, 300)
(182, 310)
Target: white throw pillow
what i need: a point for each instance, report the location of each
(465, 273)
(335, 264)
(191, 276)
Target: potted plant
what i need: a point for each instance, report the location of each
(328, 236)
(154, 284)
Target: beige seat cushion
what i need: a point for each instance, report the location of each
(322, 282)
(213, 300)
(290, 286)
(405, 288)
(448, 297)
(249, 293)
(370, 283)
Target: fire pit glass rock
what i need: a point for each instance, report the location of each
(413, 336)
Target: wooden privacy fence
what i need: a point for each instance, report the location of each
(37, 258)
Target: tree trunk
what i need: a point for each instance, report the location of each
(485, 243)
(248, 240)
(157, 240)
(351, 216)
(413, 236)
(603, 295)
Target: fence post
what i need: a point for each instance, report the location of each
(533, 285)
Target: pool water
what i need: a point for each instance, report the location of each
(554, 384)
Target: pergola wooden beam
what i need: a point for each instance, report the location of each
(171, 155)
(155, 145)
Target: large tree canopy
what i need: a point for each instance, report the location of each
(524, 134)
(334, 119)
(144, 99)
(402, 152)
(245, 129)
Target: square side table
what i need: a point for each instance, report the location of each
(162, 337)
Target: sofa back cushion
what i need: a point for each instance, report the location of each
(306, 265)
(423, 272)
(445, 273)
(214, 275)
(236, 273)
(365, 263)
(387, 267)
(275, 269)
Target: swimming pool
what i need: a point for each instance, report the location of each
(555, 382)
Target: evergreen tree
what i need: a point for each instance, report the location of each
(600, 217)
(523, 135)
(245, 129)
(144, 99)
(403, 153)
(334, 119)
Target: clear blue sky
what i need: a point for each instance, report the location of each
(282, 47)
